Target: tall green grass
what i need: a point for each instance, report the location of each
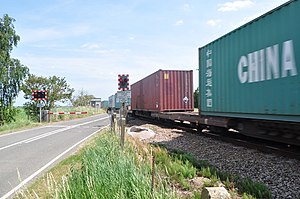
(108, 172)
(21, 121)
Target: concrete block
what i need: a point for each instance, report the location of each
(215, 193)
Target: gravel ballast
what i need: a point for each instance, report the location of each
(280, 174)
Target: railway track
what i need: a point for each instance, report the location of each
(232, 136)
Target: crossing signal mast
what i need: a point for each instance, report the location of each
(39, 95)
(123, 82)
(123, 85)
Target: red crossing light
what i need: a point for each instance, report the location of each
(123, 82)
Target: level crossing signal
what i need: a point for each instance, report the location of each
(39, 95)
(123, 82)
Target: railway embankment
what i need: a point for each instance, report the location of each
(280, 174)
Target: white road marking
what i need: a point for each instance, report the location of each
(11, 192)
(28, 140)
(56, 126)
(44, 135)
(21, 131)
(8, 134)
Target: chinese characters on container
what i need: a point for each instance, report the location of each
(208, 79)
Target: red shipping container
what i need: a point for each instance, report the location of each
(164, 90)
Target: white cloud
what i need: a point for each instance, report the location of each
(178, 23)
(104, 52)
(186, 7)
(213, 22)
(90, 46)
(235, 5)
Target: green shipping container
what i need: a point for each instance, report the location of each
(254, 71)
(104, 104)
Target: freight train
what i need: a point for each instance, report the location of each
(248, 80)
(115, 101)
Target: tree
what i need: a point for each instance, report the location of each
(12, 72)
(57, 91)
(196, 98)
(82, 99)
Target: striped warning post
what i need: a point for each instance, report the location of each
(67, 113)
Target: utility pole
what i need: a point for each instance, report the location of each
(122, 121)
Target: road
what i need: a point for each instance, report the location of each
(26, 154)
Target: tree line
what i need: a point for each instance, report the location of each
(15, 77)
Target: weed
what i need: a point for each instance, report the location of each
(208, 183)
(214, 179)
(251, 188)
(205, 171)
(256, 189)
(196, 195)
(182, 181)
(247, 196)
(229, 184)
(175, 166)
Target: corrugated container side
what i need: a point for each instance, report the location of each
(104, 104)
(111, 101)
(164, 90)
(253, 71)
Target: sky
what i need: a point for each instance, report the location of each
(90, 42)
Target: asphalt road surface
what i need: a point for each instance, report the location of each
(26, 154)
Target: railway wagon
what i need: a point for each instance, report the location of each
(251, 76)
(104, 104)
(111, 102)
(163, 91)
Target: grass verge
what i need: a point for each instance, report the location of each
(22, 121)
(103, 170)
